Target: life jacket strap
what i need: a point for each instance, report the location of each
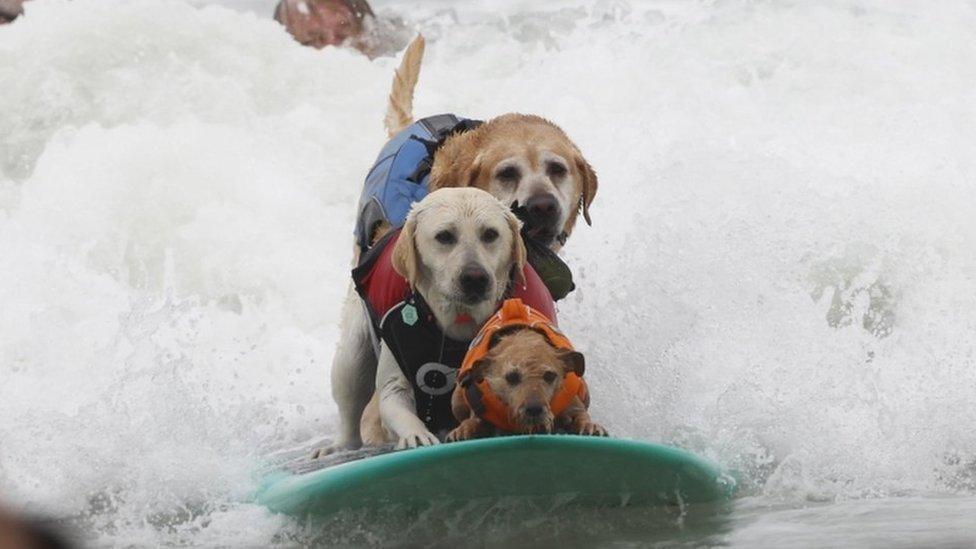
(573, 386)
(440, 128)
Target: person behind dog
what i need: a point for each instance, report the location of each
(10, 10)
(321, 23)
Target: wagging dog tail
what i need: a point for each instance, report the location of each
(399, 111)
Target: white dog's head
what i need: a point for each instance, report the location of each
(458, 249)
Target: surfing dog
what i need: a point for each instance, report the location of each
(458, 252)
(521, 375)
(519, 158)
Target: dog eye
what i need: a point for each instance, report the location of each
(555, 169)
(549, 376)
(510, 174)
(513, 378)
(489, 236)
(445, 237)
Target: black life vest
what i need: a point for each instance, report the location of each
(427, 357)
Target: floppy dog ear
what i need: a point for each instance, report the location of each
(475, 374)
(590, 185)
(573, 362)
(519, 253)
(405, 253)
(453, 170)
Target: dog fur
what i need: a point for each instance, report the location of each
(524, 371)
(516, 157)
(486, 236)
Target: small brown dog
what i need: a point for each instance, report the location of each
(521, 376)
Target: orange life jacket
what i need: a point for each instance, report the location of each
(479, 396)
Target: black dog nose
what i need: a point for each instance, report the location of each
(534, 411)
(543, 207)
(474, 280)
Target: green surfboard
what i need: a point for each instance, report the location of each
(586, 471)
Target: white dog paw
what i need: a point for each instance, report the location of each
(415, 440)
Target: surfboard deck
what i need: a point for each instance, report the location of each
(583, 470)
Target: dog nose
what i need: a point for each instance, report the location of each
(534, 411)
(474, 280)
(543, 208)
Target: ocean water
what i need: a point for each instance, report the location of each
(781, 274)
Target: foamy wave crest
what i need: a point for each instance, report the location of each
(781, 272)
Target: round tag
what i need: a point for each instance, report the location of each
(436, 379)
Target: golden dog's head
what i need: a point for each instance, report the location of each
(522, 159)
(525, 371)
(458, 249)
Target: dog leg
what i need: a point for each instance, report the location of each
(398, 410)
(353, 374)
(371, 426)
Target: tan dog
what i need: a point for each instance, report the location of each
(525, 372)
(515, 157)
(457, 251)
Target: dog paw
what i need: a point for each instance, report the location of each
(548, 427)
(591, 429)
(415, 440)
(335, 447)
(462, 432)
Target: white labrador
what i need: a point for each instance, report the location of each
(457, 250)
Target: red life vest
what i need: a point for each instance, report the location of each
(382, 287)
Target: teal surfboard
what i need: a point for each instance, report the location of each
(588, 471)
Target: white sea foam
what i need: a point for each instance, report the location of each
(781, 272)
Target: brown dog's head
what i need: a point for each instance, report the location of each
(522, 159)
(524, 370)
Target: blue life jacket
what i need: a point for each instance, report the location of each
(399, 176)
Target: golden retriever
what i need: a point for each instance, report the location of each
(518, 158)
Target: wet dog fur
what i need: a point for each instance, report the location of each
(524, 371)
(449, 236)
